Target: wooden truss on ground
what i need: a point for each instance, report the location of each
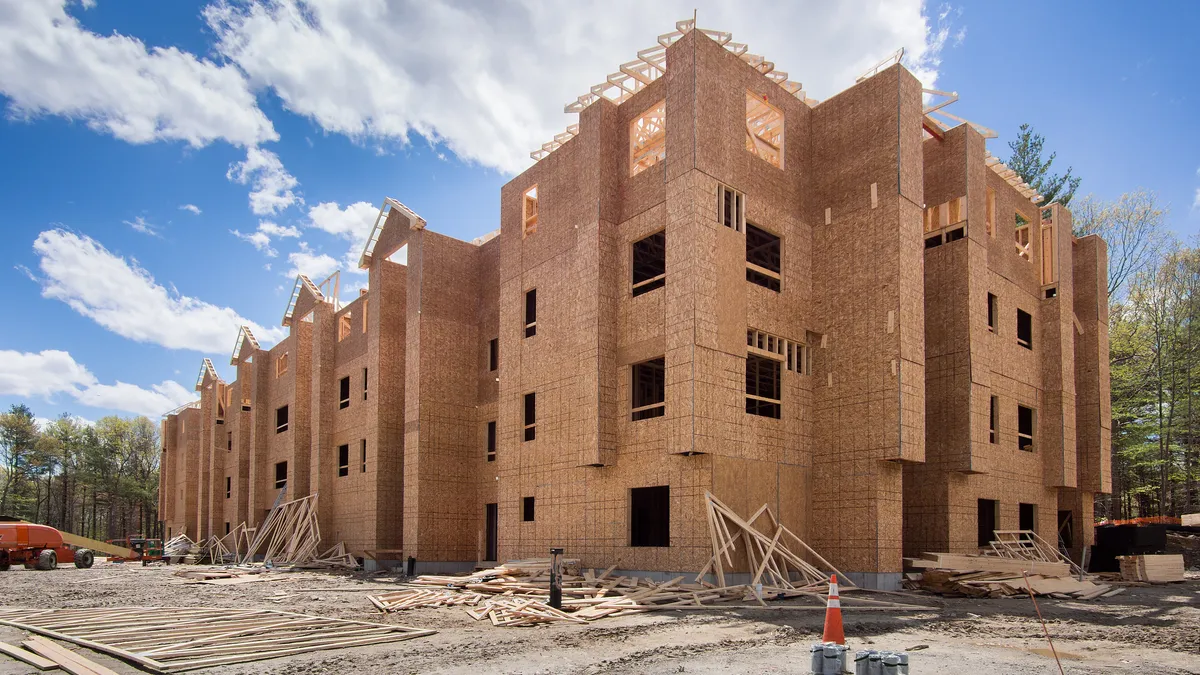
(771, 561)
(174, 639)
(1027, 545)
(651, 64)
(290, 535)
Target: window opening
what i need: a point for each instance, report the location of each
(649, 389)
(1024, 329)
(529, 212)
(762, 386)
(281, 365)
(527, 509)
(955, 234)
(762, 258)
(344, 392)
(281, 419)
(764, 130)
(991, 212)
(229, 442)
(343, 327)
(993, 418)
(933, 242)
(280, 474)
(531, 312)
(1025, 428)
(530, 416)
(228, 487)
(648, 138)
(491, 441)
(1022, 235)
(365, 381)
(649, 263)
(650, 516)
(731, 204)
(493, 354)
(986, 521)
(363, 448)
(992, 311)
(1027, 517)
(343, 460)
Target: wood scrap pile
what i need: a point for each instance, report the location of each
(1006, 585)
(766, 554)
(290, 535)
(1027, 545)
(228, 548)
(179, 547)
(1155, 569)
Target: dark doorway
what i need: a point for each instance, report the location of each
(1028, 517)
(1066, 529)
(650, 516)
(492, 532)
(987, 520)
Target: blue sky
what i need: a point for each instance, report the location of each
(169, 167)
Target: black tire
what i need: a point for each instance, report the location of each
(47, 560)
(84, 558)
(4, 562)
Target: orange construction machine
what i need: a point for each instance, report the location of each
(38, 547)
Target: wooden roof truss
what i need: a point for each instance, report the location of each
(414, 222)
(206, 368)
(185, 406)
(1013, 179)
(244, 335)
(651, 64)
(301, 282)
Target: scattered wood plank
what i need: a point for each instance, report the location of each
(66, 659)
(1157, 569)
(28, 657)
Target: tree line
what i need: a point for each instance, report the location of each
(1154, 340)
(95, 480)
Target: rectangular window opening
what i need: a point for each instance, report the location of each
(648, 138)
(229, 442)
(281, 365)
(527, 509)
(531, 312)
(1024, 329)
(1027, 517)
(281, 419)
(491, 441)
(992, 310)
(764, 130)
(226, 528)
(280, 474)
(529, 212)
(955, 234)
(493, 354)
(650, 516)
(649, 263)
(363, 454)
(228, 487)
(365, 381)
(530, 417)
(1022, 234)
(933, 242)
(649, 389)
(763, 252)
(343, 327)
(343, 460)
(1025, 418)
(344, 392)
(993, 419)
(762, 386)
(731, 204)
(986, 521)
(991, 212)
(1051, 293)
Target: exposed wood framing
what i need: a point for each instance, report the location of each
(245, 336)
(415, 222)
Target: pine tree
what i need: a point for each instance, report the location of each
(1026, 160)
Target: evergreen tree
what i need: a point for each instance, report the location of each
(1026, 160)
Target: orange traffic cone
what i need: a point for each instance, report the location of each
(833, 615)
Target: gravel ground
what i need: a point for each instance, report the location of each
(1143, 630)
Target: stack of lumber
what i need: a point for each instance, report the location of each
(1190, 519)
(1027, 545)
(45, 655)
(511, 596)
(988, 563)
(1156, 569)
(1006, 585)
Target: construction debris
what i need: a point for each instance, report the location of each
(66, 659)
(985, 584)
(186, 638)
(518, 594)
(291, 536)
(1156, 569)
(988, 563)
(27, 657)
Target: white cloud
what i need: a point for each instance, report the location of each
(261, 238)
(50, 65)
(139, 224)
(52, 372)
(190, 207)
(272, 184)
(124, 298)
(352, 224)
(490, 79)
(315, 266)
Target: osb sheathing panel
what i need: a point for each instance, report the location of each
(860, 135)
(387, 319)
(1082, 505)
(1093, 399)
(322, 463)
(182, 442)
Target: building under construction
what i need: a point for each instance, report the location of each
(845, 309)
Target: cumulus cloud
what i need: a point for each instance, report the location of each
(271, 183)
(123, 297)
(50, 65)
(51, 372)
(190, 207)
(316, 266)
(352, 224)
(261, 238)
(140, 224)
(489, 80)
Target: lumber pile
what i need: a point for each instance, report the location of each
(173, 639)
(518, 593)
(1190, 519)
(1027, 545)
(290, 535)
(1155, 569)
(767, 554)
(179, 546)
(984, 584)
(988, 563)
(50, 655)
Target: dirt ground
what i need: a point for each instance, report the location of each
(1143, 630)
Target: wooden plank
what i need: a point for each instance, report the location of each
(68, 660)
(39, 662)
